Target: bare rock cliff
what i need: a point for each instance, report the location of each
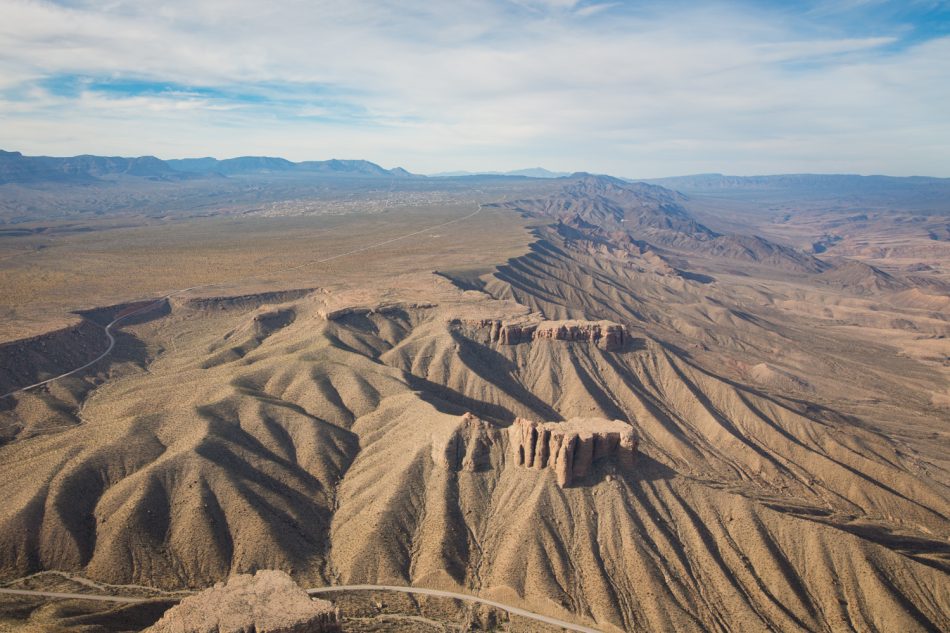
(267, 602)
(608, 335)
(569, 448)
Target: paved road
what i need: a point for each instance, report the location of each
(108, 328)
(457, 596)
(70, 596)
(321, 590)
(108, 350)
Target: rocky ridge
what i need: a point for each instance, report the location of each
(569, 448)
(608, 335)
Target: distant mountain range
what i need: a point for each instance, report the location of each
(267, 164)
(812, 182)
(532, 172)
(85, 169)
(17, 168)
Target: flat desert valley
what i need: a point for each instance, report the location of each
(693, 404)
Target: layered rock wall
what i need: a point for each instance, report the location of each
(335, 314)
(569, 448)
(607, 335)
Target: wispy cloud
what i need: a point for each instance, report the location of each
(645, 89)
(593, 9)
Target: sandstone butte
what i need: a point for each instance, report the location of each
(608, 335)
(571, 447)
(267, 602)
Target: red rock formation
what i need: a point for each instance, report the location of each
(570, 448)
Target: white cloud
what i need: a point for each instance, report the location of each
(473, 85)
(593, 9)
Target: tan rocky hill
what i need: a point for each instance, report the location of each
(656, 215)
(338, 449)
(267, 602)
(790, 471)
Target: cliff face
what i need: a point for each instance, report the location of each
(571, 447)
(331, 313)
(32, 359)
(608, 335)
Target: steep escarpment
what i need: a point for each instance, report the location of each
(571, 447)
(606, 334)
(377, 444)
(244, 301)
(238, 342)
(36, 358)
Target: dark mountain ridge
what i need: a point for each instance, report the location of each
(17, 168)
(920, 191)
(814, 183)
(267, 164)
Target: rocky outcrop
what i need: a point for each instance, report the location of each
(569, 448)
(608, 335)
(267, 602)
(466, 447)
(243, 302)
(340, 313)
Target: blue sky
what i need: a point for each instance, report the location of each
(635, 89)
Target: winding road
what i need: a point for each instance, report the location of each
(108, 350)
(70, 596)
(420, 591)
(457, 596)
(108, 328)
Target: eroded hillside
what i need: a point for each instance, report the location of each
(788, 475)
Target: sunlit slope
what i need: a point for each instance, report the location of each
(789, 475)
(313, 438)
